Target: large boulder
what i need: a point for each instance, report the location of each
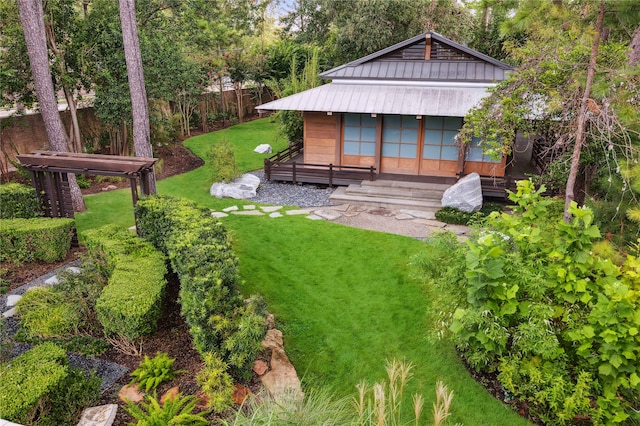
(281, 381)
(243, 187)
(465, 195)
(263, 148)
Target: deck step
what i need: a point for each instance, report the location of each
(398, 198)
(406, 185)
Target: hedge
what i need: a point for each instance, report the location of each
(131, 302)
(18, 201)
(26, 240)
(26, 379)
(200, 252)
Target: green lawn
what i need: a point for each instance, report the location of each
(342, 296)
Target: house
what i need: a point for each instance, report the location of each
(394, 114)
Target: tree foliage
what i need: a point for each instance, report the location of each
(551, 93)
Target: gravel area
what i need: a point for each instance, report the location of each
(289, 194)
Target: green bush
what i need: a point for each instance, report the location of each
(200, 252)
(26, 240)
(18, 202)
(27, 379)
(558, 324)
(153, 371)
(45, 312)
(455, 216)
(216, 383)
(174, 411)
(130, 305)
(223, 163)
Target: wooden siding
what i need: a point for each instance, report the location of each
(320, 138)
(485, 169)
(323, 145)
(358, 160)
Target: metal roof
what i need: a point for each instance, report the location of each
(448, 101)
(374, 58)
(472, 71)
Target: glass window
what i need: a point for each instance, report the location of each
(439, 138)
(400, 136)
(475, 153)
(359, 135)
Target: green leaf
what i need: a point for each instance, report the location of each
(605, 369)
(616, 360)
(634, 380)
(588, 332)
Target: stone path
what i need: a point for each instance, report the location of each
(411, 223)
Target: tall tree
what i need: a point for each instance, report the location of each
(582, 116)
(139, 106)
(571, 87)
(31, 16)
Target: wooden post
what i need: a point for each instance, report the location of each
(267, 169)
(294, 173)
(372, 175)
(134, 190)
(330, 174)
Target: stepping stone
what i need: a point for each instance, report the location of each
(275, 214)
(350, 213)
(132, 228)
(219, 215)
(73, 269)
(457, 229)
(269, 209)
(431, 223)
(248, 213)
(301, 211)
(418, 213)
(403, 216)
(249, 207)
(328, 214)
(13, 299)
(230, 209)
(103, 415)
(341, 207)
(52, 281)
(314, 217)
(10, 313)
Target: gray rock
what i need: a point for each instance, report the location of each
(10, 313)
(13, 299)
(73, 269)
(103, 415)
(264, 148)
(465, 195)
(52, 281)
(241, 188)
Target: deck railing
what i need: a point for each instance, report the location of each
(280, 167)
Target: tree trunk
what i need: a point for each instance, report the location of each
(582, 118)
(32, 19)
(74, 137)
(634, 54)
(139, 107)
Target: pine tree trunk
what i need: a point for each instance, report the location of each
(634, 54)
(582, 118)
(32, 19)
(139, 107)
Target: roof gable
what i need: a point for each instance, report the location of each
(426, 57)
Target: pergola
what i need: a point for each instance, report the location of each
(49, 174)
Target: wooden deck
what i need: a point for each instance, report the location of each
(288, 166)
